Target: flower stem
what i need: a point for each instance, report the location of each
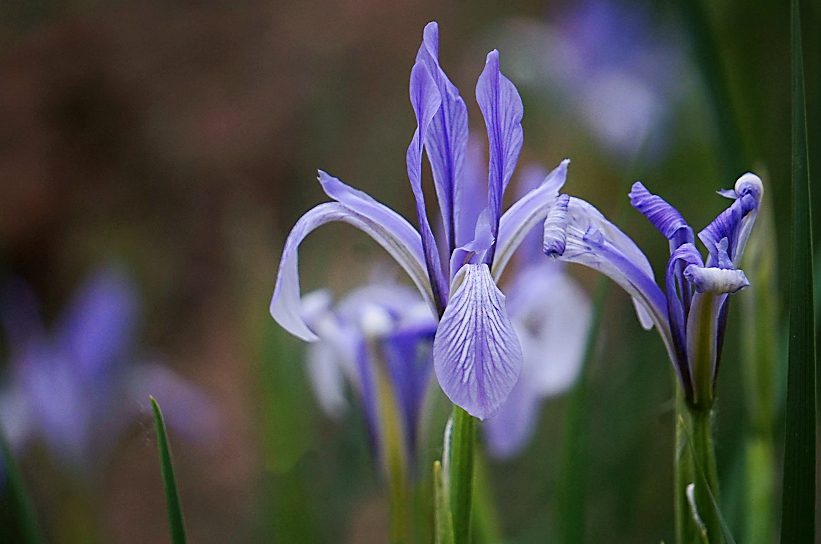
(461, 473)
(697, 517)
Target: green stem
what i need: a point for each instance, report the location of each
(461, 473)
(697, 517)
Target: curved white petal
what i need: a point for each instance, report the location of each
(525, 214)
(385, 226)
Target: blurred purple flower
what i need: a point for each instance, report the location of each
(477, 357)
(381, 331)
(602, 59)
(691, 312)
(75, 387)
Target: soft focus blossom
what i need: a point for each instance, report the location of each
(76, 385)
(690, 312)
(477, 356)
(602, 59)
(380, 333)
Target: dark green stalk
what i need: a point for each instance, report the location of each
(698, 520)
(799, 484)
(463, 444)
(176, 524)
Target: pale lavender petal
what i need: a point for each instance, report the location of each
(471, 193)
(595, 242)
(385, 226)
(530, 178)
(551, 316)
(99, 325)
(502, 109)
(425, 100)
(475, 251)
(447, 137)
(525, 214)
(327, 378)
(508, 432)
(716, 280)
(476, 353)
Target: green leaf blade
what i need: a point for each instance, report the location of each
(176, 524)
(799, 484)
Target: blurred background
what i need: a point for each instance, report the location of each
(153, 157)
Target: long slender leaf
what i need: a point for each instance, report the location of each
(176, 523)
(21, 505)
(799, 485)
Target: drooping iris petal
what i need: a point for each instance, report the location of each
(476, 353)
(425, 100)
(502, 109)
(447, 137)
(507, 433)
(385, 226)
(100, 321)
(525, 214)
(595, 242)
(750, 188)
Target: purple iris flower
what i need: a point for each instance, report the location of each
(378, 332)
(690, 313)
(76, 386)
(477, 356)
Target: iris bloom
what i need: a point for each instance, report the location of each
(77, 386)
(690, 312)
(378, 334)
(477, 356)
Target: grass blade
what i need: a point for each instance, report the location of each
(799, 486)
(172, 499)
(444, 521)
(21, 505)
